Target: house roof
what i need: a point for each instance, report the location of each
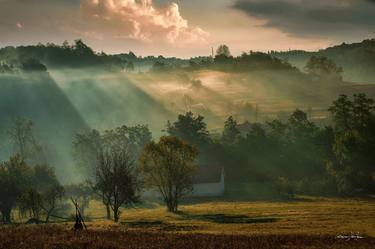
(208, 173)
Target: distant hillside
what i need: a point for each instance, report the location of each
(37, 97)
(77, 55)
(357, 59)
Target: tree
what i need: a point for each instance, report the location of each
(42, 194)
(323, 68)
(160, 66)
(86, 147)
(33, 65)
(46, 182)
(354, 144)
(14, 181)
(302, 151)
(190, 128)
(117, 179)
(31, 202)
(231, 132)
(129, 67)
(168, 166)
(223, 50)
(24, 143)
(82, 49)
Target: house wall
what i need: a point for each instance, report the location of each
(210, 189)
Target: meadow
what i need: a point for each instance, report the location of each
(305, 223)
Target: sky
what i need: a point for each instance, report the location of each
(186, 28)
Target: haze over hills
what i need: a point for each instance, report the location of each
(80, 89)
(37, 97)
(357, 59)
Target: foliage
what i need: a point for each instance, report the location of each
(87, 146)
(14, 181)
(168, 166)
(231, 132)
(223, 50)
(33, 65)
(43, 193)
(354, 144)
(323, 68)
(190, 128)
(356, 59)
(36, 58)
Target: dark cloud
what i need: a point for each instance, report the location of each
(333, 19)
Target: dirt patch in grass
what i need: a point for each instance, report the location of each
(160, 226)
(229, 219)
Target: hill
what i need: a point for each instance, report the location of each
(357, 59)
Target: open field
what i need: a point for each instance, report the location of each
(311, 223)
(311, 216)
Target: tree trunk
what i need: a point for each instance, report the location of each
(47, 217)
(6, 213)
(108, 209)
(116, 214)
(172, 207)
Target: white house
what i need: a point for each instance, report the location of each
(209, 181)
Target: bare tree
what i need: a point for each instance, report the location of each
(24, 143)
(90, 147)
(168, 166)
(117, 179)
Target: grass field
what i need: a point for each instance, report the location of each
(311, 223)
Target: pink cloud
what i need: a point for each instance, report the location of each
(141, 20)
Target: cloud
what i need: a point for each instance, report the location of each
(140, 20)
(306, 18)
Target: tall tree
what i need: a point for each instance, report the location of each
(168, 166)
(190, 128)
(354, 144)
(223, 50)
(231, 132)
(117, 179)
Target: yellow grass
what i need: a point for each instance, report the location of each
(314, 217)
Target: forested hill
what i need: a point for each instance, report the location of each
(79, 55)
(76, 55)
(356, 59)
